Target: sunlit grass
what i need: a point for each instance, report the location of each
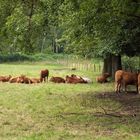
(49, 111)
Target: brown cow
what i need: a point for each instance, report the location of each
(139, 83)
(5, 78)
(123, 78)
(14, 80)
(35, 80)
(84, 79)
(73, 79)
(103, 78)
(26, 80)
(57, 79)
(43, 75)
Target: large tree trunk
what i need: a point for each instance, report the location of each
(28, 43)
(116, 64)
(107, 64)
(112, 63)
(53, 45)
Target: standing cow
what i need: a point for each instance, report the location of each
(43, 75)
(123, 78)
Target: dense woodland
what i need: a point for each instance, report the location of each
(91, 28)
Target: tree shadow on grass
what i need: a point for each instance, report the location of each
(130, 102)
(107, 112)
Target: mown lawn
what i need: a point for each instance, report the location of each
(51, 111)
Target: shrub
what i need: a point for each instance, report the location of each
(130, 63)
(15, 57)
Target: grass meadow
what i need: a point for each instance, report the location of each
(49, 111)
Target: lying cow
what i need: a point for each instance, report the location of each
(5, 78)
(123, 78)
(85, 79)
(57, 79)
(103, 78)
(25, 79)
(73, 79)
(21, 79)
(35, 80)
(14, 80)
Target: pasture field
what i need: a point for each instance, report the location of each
(49, 111)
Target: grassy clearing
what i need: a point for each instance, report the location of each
(63, 111)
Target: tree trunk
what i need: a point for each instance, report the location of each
(28, 43)
(107, 65)
(116, 64)
(111, 64)
(53, 45)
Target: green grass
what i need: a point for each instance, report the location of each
(51, 111)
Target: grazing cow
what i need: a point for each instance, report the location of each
(123, 78)
(103, 78)
(43, 75)
(73, 79)
(35, 80)
(139, 83)
(5, 78)
(57, 79)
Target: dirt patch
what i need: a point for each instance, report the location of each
(130, 102)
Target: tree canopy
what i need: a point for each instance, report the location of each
(101, 27)
(89, 28)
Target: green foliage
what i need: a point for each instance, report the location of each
(15, 57)
(88, 28)
(36, 57)
(131, 63)
(100, 25)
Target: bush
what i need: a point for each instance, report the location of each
(37, 57)
(130, 63)
(15, 57)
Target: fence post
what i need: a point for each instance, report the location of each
(94, 68)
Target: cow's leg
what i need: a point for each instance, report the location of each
(125, 88)
(139, 89)
(117, 87)
(44, 79)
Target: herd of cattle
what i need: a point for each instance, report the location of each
(122, 79)
(44, 74)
